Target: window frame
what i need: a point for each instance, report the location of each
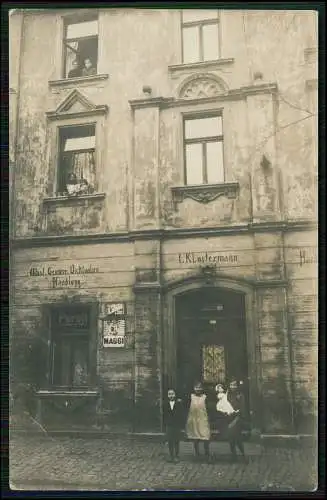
(58, 119)
(199, 24)
(203, 141)
(92, 308)
(60, 152)
(70, 19)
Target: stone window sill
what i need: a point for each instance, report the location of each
(56, 200)
(73, 82)
(203, 65)
(204, 193)
(67, 392)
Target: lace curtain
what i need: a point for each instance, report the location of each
(83, 166)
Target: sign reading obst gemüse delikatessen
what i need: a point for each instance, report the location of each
(114, 326)
(72, 276)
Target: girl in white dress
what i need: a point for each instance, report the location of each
(197, 425)
(223, 405)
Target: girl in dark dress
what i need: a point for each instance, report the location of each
(236, 423)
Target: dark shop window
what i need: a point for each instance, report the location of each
(70, 347)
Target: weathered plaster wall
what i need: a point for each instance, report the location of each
(142, 158)
(286, 36)
(301, 257)
(264, 125)
(112, 283)
(117, 57)
(223, 210)
(257, 257)
(183, 257)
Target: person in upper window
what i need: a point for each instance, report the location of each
(76, 186)
(84, 186)
(72, 185)
(75, 72)
(88, 69)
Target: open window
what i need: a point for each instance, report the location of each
(76, 166)
(203, 150)
(81, 47)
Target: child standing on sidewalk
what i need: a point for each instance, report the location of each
(197, 425)
(173, 422)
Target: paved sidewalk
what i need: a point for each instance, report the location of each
(44, 463)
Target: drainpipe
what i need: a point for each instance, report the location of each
(12, 167)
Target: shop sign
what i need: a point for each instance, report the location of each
(115, 309)
(213, 258)
(114, 326)
(72, 276)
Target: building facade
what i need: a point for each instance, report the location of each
(164, 212)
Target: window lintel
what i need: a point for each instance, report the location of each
(98, 110)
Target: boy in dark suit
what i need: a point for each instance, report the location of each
(173, 422)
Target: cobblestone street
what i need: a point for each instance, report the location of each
(46, 463)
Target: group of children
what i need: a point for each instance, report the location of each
(229, 410)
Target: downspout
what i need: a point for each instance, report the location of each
(12, 167)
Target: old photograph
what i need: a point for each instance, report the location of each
(163, 248)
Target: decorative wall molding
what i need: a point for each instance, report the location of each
(76, 105)
(204, 92)
(130, 236)
(147, 287)
(176, 69)
(201, 86)
(150, 102)
(81, 80)
(273, 283)
(204, 193)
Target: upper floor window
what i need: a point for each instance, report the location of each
(203, 150)
(81, 47)
(200, 29)
(76, 167)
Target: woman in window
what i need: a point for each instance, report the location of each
(197, 425)
(88, 69)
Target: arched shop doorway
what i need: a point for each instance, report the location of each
(211, 338)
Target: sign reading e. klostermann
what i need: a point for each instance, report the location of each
(64, 277)
(206, 258)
